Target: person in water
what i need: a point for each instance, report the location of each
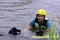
(40, 24)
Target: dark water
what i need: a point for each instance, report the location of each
(18, 13)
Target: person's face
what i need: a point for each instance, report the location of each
(40, 18)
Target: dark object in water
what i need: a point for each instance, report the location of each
(14, 31)
(1, 35)
(40, 33)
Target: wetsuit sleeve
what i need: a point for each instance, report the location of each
(48, 24)
(31, 23)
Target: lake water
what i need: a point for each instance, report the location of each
(18, 13)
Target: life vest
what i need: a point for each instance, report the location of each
(38, 26)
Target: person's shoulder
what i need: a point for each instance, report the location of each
(32, 21)
(48, 20)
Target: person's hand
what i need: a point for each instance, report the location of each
(28, 27)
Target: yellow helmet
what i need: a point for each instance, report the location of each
(41, 11)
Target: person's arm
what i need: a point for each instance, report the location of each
(30, 25)
(48, 25)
